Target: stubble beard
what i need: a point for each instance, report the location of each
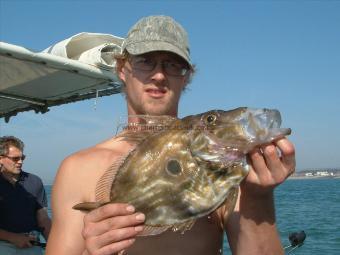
(17, 170)
(151, 106)
(160, 107)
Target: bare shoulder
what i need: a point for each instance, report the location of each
(87, 166)
(75, 183)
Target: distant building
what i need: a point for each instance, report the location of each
(315, 173)
(322, 173)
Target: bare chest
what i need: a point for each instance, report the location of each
(205, 237)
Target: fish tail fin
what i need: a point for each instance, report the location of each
(88, 206)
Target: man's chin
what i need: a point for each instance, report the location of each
(158, 111)
(17, 171)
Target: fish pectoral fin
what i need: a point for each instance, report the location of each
(88, 206)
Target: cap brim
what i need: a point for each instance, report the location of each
(145, 47)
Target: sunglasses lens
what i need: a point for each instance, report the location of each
(148, 64)
(16, 159)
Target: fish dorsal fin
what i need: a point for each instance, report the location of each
(155, 230)
(134, 137)
(182, 227)
(152, 119)
(103, 187)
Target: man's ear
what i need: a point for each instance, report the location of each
(120, 69)
(187, 79)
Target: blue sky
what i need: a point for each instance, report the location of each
(273, 54)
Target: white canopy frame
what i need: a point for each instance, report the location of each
(38, 80)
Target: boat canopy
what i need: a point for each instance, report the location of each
(78, 68)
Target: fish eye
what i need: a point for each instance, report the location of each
(173, 167)
(210, 119)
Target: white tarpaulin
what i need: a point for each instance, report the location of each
(90, 48)
(74, 69)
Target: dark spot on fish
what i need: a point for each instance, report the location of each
(174, 167)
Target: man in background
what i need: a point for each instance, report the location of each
(23, 203)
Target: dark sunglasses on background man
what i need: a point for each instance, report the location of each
(16, 159)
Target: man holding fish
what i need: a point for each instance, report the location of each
(202, 175)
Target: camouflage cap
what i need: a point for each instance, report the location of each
(157, 33)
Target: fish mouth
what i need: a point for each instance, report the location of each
(229, 152)
(264, 126)
(278, 133)
(252, 138)
(251, 128)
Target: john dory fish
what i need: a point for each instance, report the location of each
(183, 169)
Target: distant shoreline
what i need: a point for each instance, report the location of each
(312, 177)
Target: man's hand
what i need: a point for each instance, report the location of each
(270, 166)
(253, 221)
(21, 240)
(111, 228)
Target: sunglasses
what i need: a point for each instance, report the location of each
(16, 159)
(147, 63)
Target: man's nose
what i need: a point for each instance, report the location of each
(20, 160)
(158, 73)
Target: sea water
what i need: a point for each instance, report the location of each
(312, 205)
